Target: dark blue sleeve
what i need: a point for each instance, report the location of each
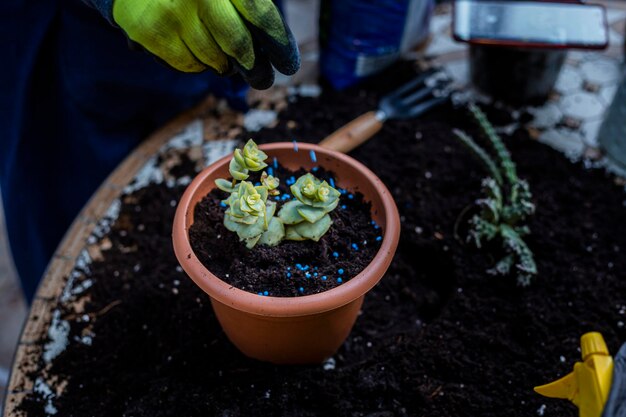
(616, 403)
(105, 7)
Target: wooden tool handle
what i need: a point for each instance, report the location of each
(354, 133)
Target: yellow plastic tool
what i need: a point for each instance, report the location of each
(589, 384)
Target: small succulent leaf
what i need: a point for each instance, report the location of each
(508, 233)
(253, 165)
(311, 231)
(491, 188)
(237, 166)
(246, 221)
(239, 159)
(521, 205)
(514, 243)
(311, 214)
(274, 233)
(224, 185)
(522, 230)
(235, 212)
(490, 209)
(289, 212)
(250, 243)
(239, 216)
(262, 190)
(230, 224)
(503, 267)
(270, 209)
(252, 230)
(292, 234)
(481, 230)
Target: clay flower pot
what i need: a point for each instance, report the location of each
(291, 330)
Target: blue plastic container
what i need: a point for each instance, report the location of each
(361, 38)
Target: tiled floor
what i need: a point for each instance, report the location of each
(12, 308)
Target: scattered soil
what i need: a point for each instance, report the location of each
(291, 268)
(438, 337)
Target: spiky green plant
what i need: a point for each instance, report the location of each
(307, 216)
(505, 205)
(252, 216)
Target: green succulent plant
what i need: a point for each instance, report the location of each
(307, 217)
(506, 203)
(251, 215)
(249, 212)
(271, 183)
(250, 158)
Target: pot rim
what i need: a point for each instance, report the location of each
(271, 306)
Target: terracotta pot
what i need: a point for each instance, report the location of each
(290, 330)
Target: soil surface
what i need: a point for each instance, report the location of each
(289, 269)
(438, 337)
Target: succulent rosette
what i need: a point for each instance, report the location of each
(251, 216)
(271, 183)
(250, 158)
(307, 216)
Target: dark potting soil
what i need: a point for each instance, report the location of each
(290, 268)
(437, 337)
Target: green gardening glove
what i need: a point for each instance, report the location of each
(222, 35)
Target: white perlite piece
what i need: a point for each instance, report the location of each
(329, 364)
(83, 260)
(41, 387)
(190, 136)
(541, 410)
(58, 334)
(255, 119)
(82, 264)
(104, 225)
(82, 287)
(150, 173)
(70, 289)
(217, 149)
(85, 340)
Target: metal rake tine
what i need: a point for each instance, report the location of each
(426, 105)
(416, 96)
(436, 89)
(409, 86)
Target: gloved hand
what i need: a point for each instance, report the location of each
(193, 35)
